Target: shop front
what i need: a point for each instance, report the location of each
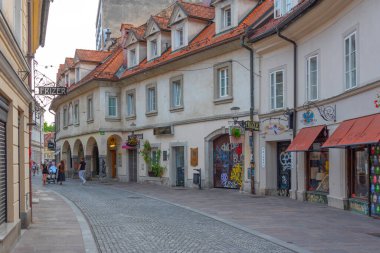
(360, 137)
(310, 141)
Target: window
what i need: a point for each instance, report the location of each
(282, 7)
(58, 121)
(70, 114)
(312, 78)
(179, 38)
(277, 89)
(153, 49)
(18, 20)
(223, 82)
(131, 103)
(227, 17)
(90, 106)
(76, 113)
(132, 58)
(65, 123)
(176, 94)
(112, 106)
(67, 80)
(360, 174)
(151, 99)
(350, 61)
(77, 74)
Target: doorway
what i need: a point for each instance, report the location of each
(284, 166)
(95, 161)
(113, 163)
(180, 165)
(132, 165)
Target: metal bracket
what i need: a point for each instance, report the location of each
(328, 113)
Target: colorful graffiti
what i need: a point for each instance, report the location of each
(228, 163)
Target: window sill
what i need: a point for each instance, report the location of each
(225, 30)
(132, 117)
(112, 119)
(150, 114)
(226, 100)
(89, 121)
(177, 109)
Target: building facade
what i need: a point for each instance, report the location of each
(21, 35)
(37, 151)
(112, 13)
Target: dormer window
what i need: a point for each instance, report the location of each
(132, 59)
(282, 7)
(179, 38)
(226, 17)
(67, 79)
(77, 74)
(153, 49)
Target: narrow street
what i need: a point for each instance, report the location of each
(123, 221)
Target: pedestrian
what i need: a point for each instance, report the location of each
(45, 173)
(61, 172)
(82, 170)
(34, 167)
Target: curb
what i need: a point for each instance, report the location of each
(90, 244)
(269, 238)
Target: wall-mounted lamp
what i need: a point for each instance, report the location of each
(235, 117)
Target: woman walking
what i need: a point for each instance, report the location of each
(45, 173)
(61, 172)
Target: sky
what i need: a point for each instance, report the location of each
(71, 25)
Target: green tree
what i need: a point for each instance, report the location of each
(49, 128)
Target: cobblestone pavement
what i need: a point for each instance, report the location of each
(127, 222)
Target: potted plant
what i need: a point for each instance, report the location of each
(236, 134)
(146, 152)
(157, 168)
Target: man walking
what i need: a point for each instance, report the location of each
(82, 170)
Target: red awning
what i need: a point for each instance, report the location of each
(305, 138)
(359, 131)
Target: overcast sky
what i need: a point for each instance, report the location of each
(71, 25)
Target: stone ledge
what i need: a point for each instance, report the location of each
(9, 235)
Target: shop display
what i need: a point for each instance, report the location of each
(319, 172)
(375, 180)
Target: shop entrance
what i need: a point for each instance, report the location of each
(284, 166)
(228, 159)
(132, 165)
(180, 165)
(95, 160)
(113, 163)
(3, 173)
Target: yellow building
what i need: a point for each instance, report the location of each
(22, 31)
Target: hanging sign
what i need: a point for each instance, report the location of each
(133, 140)
(194, 157)
(252, 125)
(308, 118)
(52, 91)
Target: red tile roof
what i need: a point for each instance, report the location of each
(271, 25)
(162, 22)
(198, 11)
(139, 32)
(126, 26)
(85, 55)
(60, 71)
(69, 63)
(207, 38)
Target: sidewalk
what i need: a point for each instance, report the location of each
(314, 227)
(56, 224)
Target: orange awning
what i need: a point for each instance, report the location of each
(359, 131)
(305, 139)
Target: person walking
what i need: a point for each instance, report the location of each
(82, 170)
(34, 167)
(45, 173)
(61, 172)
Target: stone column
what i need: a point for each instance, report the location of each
(337, 178)
(87, 159)
(74, 173)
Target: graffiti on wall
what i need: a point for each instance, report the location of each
(228, 163)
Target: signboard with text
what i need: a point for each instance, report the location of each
(252, 125)
(52, 91)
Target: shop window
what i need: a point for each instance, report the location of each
(360, 174)
(318, 165)
(375, 180)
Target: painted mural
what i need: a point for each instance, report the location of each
(228, 163)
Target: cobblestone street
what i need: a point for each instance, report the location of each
(128, 222)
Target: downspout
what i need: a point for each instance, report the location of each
(294, 96)
(30, 80)
(252, 107)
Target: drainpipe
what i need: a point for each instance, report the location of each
(251, 110)
(294, 96)
(30, 58)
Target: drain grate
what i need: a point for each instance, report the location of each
(374, 234)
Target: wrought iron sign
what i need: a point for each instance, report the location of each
(167, 130)
(328, 112)
(308, 117)
(52, 91)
